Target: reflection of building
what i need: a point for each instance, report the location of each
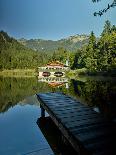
(54, 81)
(53, 69)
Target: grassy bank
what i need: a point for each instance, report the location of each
(77, 72)
(84, 71)
(18, 73)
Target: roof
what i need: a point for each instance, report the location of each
(55, 63)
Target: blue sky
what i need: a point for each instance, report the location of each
(52, 19)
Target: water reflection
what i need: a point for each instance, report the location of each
(54, 81)
(13, 90)
(19, 133)
(54, 137)
(97, 93)
(17, 93)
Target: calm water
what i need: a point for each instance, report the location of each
(19, 109)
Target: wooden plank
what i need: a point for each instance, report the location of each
(78, 119)
(82, 124)
(69, 112)
(79, 113)
(61, 105)
(81, 118)
(84, 136)
(83, 128)
(61, 102)
(61, 127)
(91, 127)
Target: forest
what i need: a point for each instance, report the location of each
(98, 55)
(13, 55)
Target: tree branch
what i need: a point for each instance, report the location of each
(94, 1)
(101, 12)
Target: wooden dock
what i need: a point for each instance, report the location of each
(87, 131)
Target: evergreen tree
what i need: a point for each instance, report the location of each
(91, 55)
(107, 48)
(107, 28)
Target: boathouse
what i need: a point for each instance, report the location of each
(53, 69)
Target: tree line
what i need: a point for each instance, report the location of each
(98, 55)
(13, 55)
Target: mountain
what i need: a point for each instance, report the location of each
(14, 55)
(28, 54)
(71, 43)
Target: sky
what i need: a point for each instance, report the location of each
(52, 19)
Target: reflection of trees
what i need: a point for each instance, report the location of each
(96, 93)
(74, 88)
(13, 90)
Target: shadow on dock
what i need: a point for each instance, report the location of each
(57, 142)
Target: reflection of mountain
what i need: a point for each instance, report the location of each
(31, 100)
(54, 81)
(13, 90)
(17, 91)
(96, 93)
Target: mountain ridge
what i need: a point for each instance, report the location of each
(70, 43)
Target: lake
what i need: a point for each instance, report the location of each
(19, 109)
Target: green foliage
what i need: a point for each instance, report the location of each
(96, 93)
(13, 90)
(107, 28)
(14, 55)
(61, 55)
(49, 46)
(90, 56)
(107, 48)
(98, 55)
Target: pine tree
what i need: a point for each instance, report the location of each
(107, 47)
(107, 28)
(91, 55)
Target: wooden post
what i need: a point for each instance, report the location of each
(42, 111)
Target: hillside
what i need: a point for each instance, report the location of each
(71, 43)
(14, 55)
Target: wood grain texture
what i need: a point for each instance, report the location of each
(87, 131)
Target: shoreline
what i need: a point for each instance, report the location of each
(85, 72)
(71, 73)
(18, 73)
